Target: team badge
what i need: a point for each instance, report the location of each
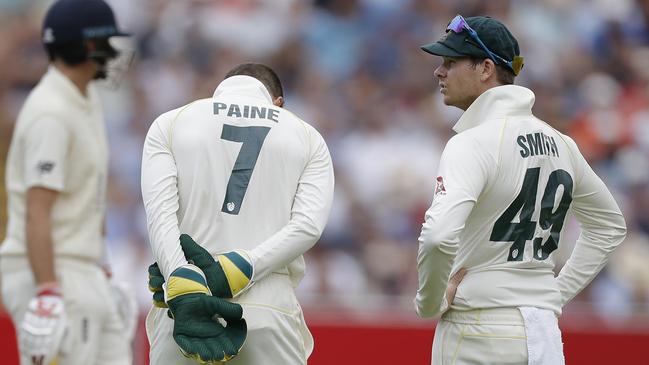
(439, 186)
(48, 36)
(230, 206)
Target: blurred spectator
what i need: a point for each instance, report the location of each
(353, 69)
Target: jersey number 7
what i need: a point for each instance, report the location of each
(252, 138)
(506, 230)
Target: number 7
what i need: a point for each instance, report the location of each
(252, 138)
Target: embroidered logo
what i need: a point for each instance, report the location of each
(45, 167)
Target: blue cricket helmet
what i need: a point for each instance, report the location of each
(68, 24)
(73, 21)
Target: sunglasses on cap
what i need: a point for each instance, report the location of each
(459, 24)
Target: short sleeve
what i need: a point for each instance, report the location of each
(46, 149)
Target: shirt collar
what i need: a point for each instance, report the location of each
(494, 103)
(243, 86)
(66, 87)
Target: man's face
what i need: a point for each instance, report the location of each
(459, 81)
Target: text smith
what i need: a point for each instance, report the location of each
(537, 144)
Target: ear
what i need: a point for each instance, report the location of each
(488, 69)
(279, 101)
(91, 45)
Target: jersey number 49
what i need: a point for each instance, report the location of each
(506, 230)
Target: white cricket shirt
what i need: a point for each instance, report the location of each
(59, 143)
(506, 182)
(236, 172)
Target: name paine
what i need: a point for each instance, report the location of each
(246, 111)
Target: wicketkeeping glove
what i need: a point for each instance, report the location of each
(197, 327)
(228, 276)
(155, 286)
(41, 331)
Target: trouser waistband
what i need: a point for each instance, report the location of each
(508, 315)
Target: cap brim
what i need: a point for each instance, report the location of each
(439, 49)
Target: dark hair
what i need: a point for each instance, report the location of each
(504, 75)
(263, 73)
(71, 53)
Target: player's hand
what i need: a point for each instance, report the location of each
(42, 329)
(127, 309)
(453, 283)
(228, 276)
(155, 286)
(197, 315)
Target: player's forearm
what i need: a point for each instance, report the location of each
(297, 237)
(603, 229)
(588, 258)
(309, 216)
(160, 197)
(161, 204)
(435, 258)
(38, 233)
(40, 248)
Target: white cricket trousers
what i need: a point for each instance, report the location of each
(496, 336)
(277, 332)
(95, 331)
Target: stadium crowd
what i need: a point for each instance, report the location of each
(353, 68)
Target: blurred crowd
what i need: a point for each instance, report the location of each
(353, 69)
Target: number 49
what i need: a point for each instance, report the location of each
(505, 230)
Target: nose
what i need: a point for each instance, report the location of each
(440, 71)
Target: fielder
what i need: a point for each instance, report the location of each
(249, 185)
(53, 285)
(506, 183)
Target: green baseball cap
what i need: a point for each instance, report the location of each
(463, 38)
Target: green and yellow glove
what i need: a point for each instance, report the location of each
(155, 286)
(197, 327)
(227, 276)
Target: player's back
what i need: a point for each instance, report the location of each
(239, 159)
(515, 226)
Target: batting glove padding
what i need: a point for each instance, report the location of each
(42, 329)
(228, 276)
(197, 327)
(155, 286)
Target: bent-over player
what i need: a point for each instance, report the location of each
(252, 184)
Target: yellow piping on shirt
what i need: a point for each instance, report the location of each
(173, 122)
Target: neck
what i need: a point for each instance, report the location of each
(483, 88)
(80, 74)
